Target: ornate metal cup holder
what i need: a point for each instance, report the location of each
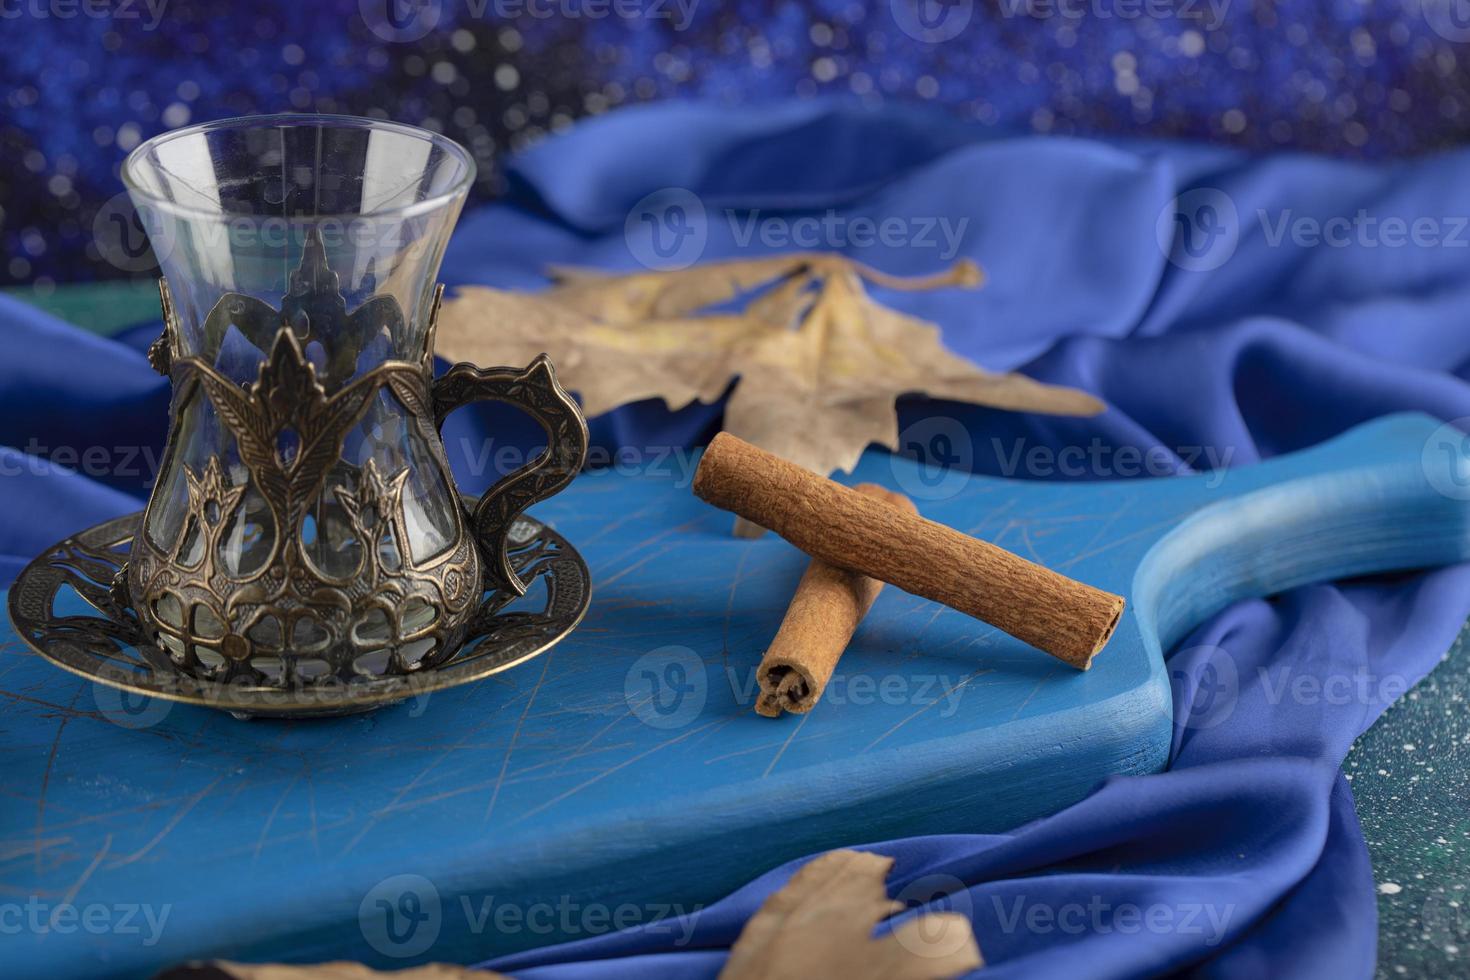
(64, 606)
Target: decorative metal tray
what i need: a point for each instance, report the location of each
(64, 608)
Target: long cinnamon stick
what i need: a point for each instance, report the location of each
(829, 604)
(1067, 619)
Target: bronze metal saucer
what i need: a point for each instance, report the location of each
(64, 607)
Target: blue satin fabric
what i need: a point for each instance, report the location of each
(1245, 858)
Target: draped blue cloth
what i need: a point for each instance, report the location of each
(1241, 336)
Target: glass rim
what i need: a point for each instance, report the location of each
(283, 120)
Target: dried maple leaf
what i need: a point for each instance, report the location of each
(820, 363)
(821, 925)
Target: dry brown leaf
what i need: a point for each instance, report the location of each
(225, 970)
(821, 925)
(820, 363)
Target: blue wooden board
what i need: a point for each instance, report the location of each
(626, 767)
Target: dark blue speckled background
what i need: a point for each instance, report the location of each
(83, 81)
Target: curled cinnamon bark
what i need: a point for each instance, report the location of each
(1067, 619)
(825, 612)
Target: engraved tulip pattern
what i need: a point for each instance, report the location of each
(340, 593)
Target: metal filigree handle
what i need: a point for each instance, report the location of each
(535, 391)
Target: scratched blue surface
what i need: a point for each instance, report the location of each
(626, 765)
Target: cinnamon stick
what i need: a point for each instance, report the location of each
(1065, 618)
(824, 613)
